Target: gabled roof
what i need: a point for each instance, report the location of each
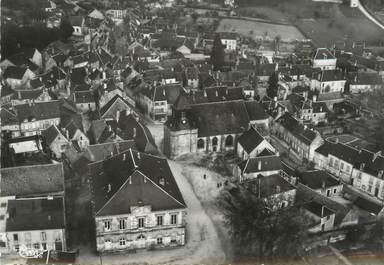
(270, 185)
(318, 209)
(255, 110)
(169, 92)
(8, 116)
(318, 179)
(99, 152)
(330, 75)
(83, 97)
(132, 179)
(35, 214)
(220, 118)
(6, 91)
(217, 94)
(32, 180)
(50, 134)
(323, 54)
(14, 72)
(132, 128)
(291, 124)
(38, 111)
(250, 139)
(111, 102)
(261, 164)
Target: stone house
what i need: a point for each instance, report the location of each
(55, 140)
(17, 77)
(114, 106)
(324, 59)
(274, 190)
(136, 203)
(321, 182)
(32, 208)
(302, 140)
(251, 144)
(253, 167)
(328, 81)
(322, 217)
(75, 135)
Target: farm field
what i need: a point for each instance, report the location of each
(344, 24)
(259, 30)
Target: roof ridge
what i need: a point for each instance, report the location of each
(31, 166)
(154, 183)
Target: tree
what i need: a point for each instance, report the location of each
(259, 232)
(217, 55)
(273, 85)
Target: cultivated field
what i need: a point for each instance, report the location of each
(259, 30)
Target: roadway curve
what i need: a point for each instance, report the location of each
(369, 15)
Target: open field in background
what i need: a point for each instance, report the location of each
(324, 23)
(259, 30)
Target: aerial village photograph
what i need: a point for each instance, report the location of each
(187, 132)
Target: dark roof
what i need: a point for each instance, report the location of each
(267, 163)
(317, 178)
(318, 209)
(368, 205)
(220, 118)
(270, 185)
(168, 92)
(99, 152)
(32, 180)
(228, 35)
(134, 179)
(6, 91)
(8, 116)
(217, 94)
(367, 79)
(265, 69)
(14, 72)
(36, 214)
(133, 129)
(76, 20)
(330, 75)
(297, 129)
(83, 97)
(50, 134)
(361, 159)
(255, 110)
(27, 94)
(38, 111)
(113, 101)
(250, 139)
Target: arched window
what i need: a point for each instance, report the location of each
(229, 140)
(200, 144)
(214, 141)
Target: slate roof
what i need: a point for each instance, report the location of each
(83, 97)
(360, 159)
(50, 134)
(76, 21)
(330, 75)
(32, 180)
(133, 179)
(112, 101)
(130, 126)
(6, 91)
(27, 94)
(318, 209)
(316, 178)
(267, 163)
(14, 72)
(367, 79)
(228, 35)
(72, 128)
(255, 110)
(219, 118)
(270, 185)
(250, 139)
(38, 110)
(217, 94)
(99, 152)
(8, 116)
(168, 92)
(265, 69)
(298, 130)
(368, 205)
(35, 214)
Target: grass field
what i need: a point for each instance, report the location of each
(324, 23)
(259, 30)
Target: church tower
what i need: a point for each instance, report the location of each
(180, 133)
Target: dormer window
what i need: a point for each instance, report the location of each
(162, 181)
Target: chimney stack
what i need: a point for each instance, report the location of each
(259, 165)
